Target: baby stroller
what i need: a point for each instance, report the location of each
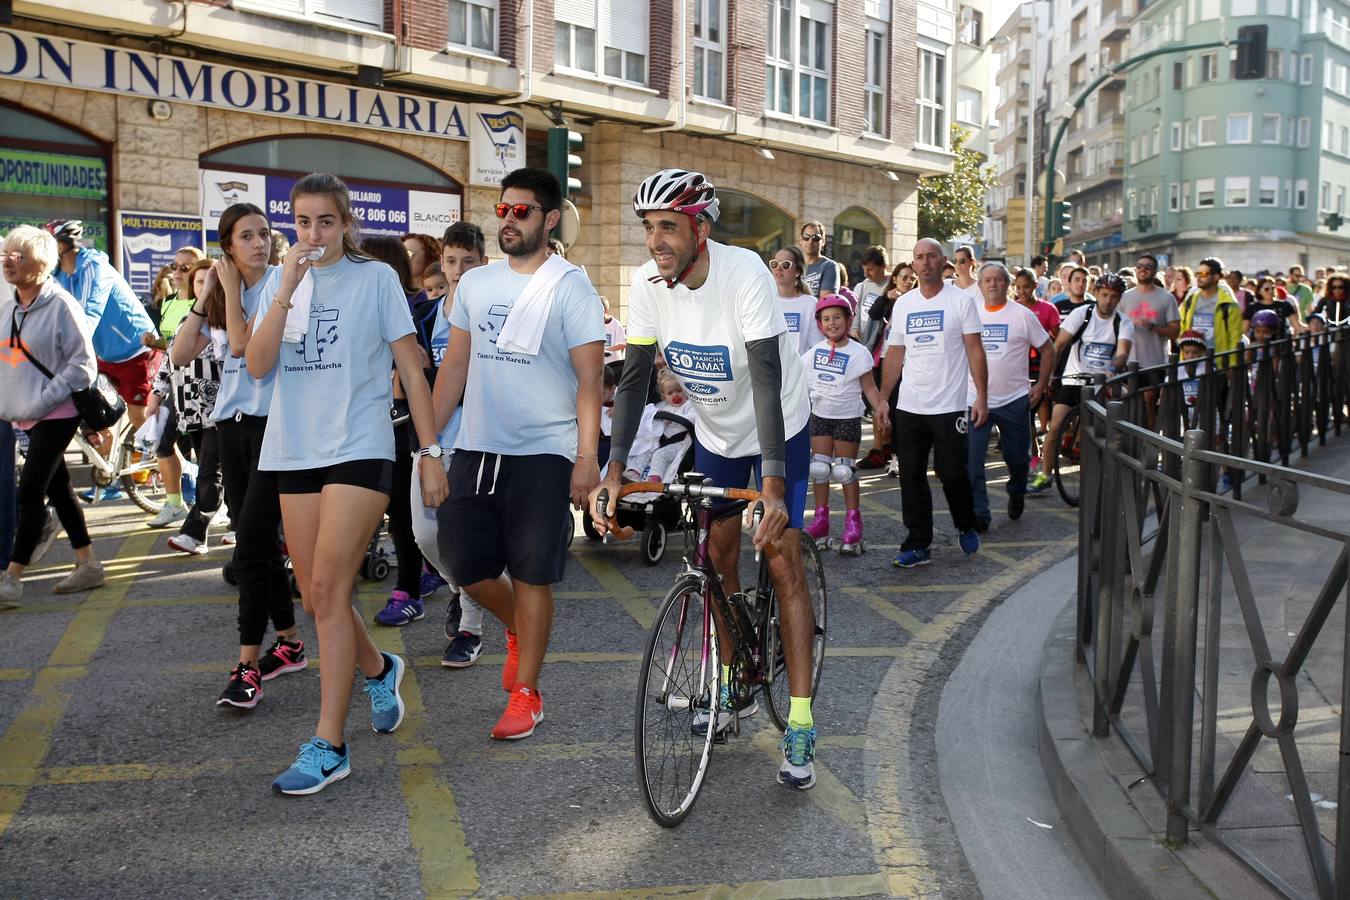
(655, 515)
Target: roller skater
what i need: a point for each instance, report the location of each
(839, 377)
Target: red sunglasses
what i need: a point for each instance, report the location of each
(520, 210)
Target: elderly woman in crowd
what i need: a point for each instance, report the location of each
(46, 329)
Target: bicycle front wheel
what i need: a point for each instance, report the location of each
(1069, 458)
(776, 690)
(679, 680)
(140, 479)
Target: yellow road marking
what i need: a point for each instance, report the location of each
(887, 609)
(624, 592)
(15, 674)
(26, 742)
(807, 888)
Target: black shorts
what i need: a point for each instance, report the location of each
(845, 431)
(371, 474)
(506, 514)
(1069, 393)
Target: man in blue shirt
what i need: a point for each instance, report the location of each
(116, 316)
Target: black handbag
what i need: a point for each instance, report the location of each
(99, 405)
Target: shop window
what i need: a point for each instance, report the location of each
(50, 171)
(855, 230)
(747, 221)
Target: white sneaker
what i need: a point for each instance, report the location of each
(186, 543)
(172, 512)
(86, 577)
(11, 589)
(221, 516)
(227, 539)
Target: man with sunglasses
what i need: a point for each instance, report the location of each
(1154, 314)
(822, 273)
(714, 311)
(528, 431)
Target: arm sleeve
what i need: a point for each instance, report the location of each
(766, 383)
(630, 398)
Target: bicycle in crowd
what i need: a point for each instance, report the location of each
(125, 467)
(680, 685)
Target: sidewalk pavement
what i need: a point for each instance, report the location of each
(1117, 816)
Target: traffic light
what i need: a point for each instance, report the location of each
(1063, 218)
(1251, 51)
(1334, 221)
(564, 147)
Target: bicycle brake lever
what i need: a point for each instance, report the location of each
(600, 514)
(756, 516)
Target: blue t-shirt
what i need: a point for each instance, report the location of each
(334, 388)
(515, 404)
(239, 391)
(440, 339)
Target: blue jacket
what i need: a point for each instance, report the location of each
(116, 316)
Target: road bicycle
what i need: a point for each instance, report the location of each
(676, 717)
(138, 477)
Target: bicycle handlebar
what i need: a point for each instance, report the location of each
(676, 489)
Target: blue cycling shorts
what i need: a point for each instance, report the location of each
(736, 472)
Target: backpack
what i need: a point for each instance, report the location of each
(1078, 336)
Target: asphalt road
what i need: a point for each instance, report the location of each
(119, 776)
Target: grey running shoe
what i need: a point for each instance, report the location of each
(86, 577)
(11, 589)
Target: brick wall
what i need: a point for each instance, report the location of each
(508, 20)
(664, 46)
(543, 35)
(425, 24)
(850, 68)
(904, 83)
(747, 30)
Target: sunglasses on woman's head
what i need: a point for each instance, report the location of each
(520, 210)
(784, 264)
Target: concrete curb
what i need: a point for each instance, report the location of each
(1109, 829)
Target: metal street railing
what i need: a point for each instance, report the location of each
(1210, 599)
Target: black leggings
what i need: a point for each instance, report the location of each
(264, 587)
(45, 474)
(206, 447)
(400, 515)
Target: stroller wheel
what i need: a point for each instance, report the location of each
(588, 525)
(654, 544)
(379, 570)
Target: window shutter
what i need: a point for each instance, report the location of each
(362, 12)
(626, 25)
(290, 7)
(575, 12)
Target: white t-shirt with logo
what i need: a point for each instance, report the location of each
(800, 315)
(1097, 347)
(932, 331)
(833, 381)
(1009, 333)
(703, 334)
(614, 336)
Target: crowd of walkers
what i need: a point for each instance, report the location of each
(298, 396)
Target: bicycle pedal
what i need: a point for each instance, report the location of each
(721, 736)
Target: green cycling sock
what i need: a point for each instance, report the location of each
(726, 675)
(799, 713)
(173, 499)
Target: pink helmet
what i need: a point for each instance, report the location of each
(843, 299)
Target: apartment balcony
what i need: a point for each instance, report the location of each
(1082, 184)
(1336, 32)
(1017, 136)
(1114, 27)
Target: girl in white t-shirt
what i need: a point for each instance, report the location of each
(799, 304)
(838, 377)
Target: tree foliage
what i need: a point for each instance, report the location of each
(953, 204)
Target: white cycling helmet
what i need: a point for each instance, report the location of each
(677, 190)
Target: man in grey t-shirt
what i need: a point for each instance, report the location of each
(822, 273)
(1154, 313)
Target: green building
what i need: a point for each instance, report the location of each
(1252, 171)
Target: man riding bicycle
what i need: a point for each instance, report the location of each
(713, 310)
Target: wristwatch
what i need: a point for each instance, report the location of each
(434, 451)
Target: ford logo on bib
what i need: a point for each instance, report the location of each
(700, 389)
(925, 339)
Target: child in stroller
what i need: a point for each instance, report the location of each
(663, 449)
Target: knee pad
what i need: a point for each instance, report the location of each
(843, 471)
(820, 469)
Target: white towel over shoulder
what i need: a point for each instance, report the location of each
(297, 317)
(523, 330)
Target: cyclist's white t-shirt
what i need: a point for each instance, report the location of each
(833, 382)
(1008, 334)
(800, 314)
(933, 335)
(703, 333)
(1094, 351)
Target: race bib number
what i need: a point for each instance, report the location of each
(1204, 322)
(829, 370)
(995, 339)
(794, 322)
(438, 346)
(923, 331)
(700, 368)
(1098, 355)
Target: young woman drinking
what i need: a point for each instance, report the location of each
(330, 445)
(241, 282)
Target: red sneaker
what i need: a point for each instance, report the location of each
(524, 710)
(512, 662)
(874, 459)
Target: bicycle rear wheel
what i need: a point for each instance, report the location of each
(1069, 457)
(140, 479)
(679, 679)
(776, 693)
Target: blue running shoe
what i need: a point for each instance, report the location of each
(908, 559)
(799, 753)
(386, 706)
(970, 542)
(431, 582)
(318, 765)
(107, 495)
(400, 610)
(724, 713)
